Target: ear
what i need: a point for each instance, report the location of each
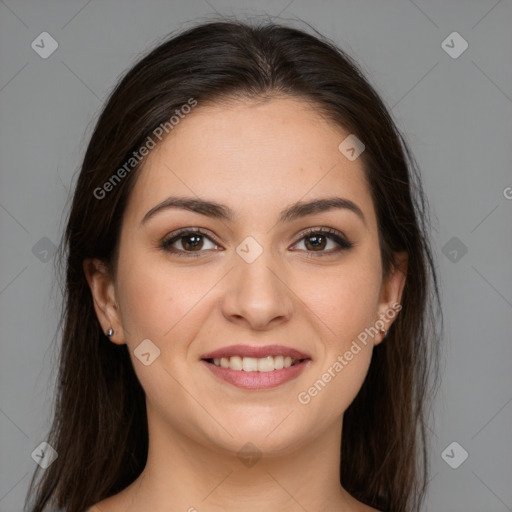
(102, 288)
(391, 294)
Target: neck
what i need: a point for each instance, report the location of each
(186, 475)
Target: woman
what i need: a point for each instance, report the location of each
(250, 316)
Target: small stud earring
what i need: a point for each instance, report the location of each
(110, 332)
(384, 332)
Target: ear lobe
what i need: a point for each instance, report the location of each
(391, 292)
(102, 289)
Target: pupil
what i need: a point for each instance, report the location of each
(317, 240)
(195, 244)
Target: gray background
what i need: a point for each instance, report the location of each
(456, 113)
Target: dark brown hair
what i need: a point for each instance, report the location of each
(99, 429)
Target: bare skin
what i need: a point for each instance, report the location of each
(257, 159)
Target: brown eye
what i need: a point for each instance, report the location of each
(192, 242)
(186, 242)
(314, 242)
(317, 240)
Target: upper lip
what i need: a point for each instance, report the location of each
(257, 352)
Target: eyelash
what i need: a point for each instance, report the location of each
(343, 243)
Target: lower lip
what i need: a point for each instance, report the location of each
(257, 380)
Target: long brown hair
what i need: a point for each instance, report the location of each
(99, 429)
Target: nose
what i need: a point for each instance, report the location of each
(257, 294)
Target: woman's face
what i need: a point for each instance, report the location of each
(255, 279)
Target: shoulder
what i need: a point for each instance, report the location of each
(119, 502)
(113, 503)
(363, 508)
(96, 508)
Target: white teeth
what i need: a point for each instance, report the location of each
(266, 364)
(236, 363)
(250, 364)
(254, 364)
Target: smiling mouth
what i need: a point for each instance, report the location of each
(255, 364)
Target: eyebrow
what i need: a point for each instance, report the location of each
(222, 212)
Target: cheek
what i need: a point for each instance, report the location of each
(150, 298)
(346, 307)
(161, 302)
(345, 300)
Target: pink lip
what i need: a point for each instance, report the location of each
(258, 352)
(257, 380)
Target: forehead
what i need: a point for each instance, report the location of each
(249, 155)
